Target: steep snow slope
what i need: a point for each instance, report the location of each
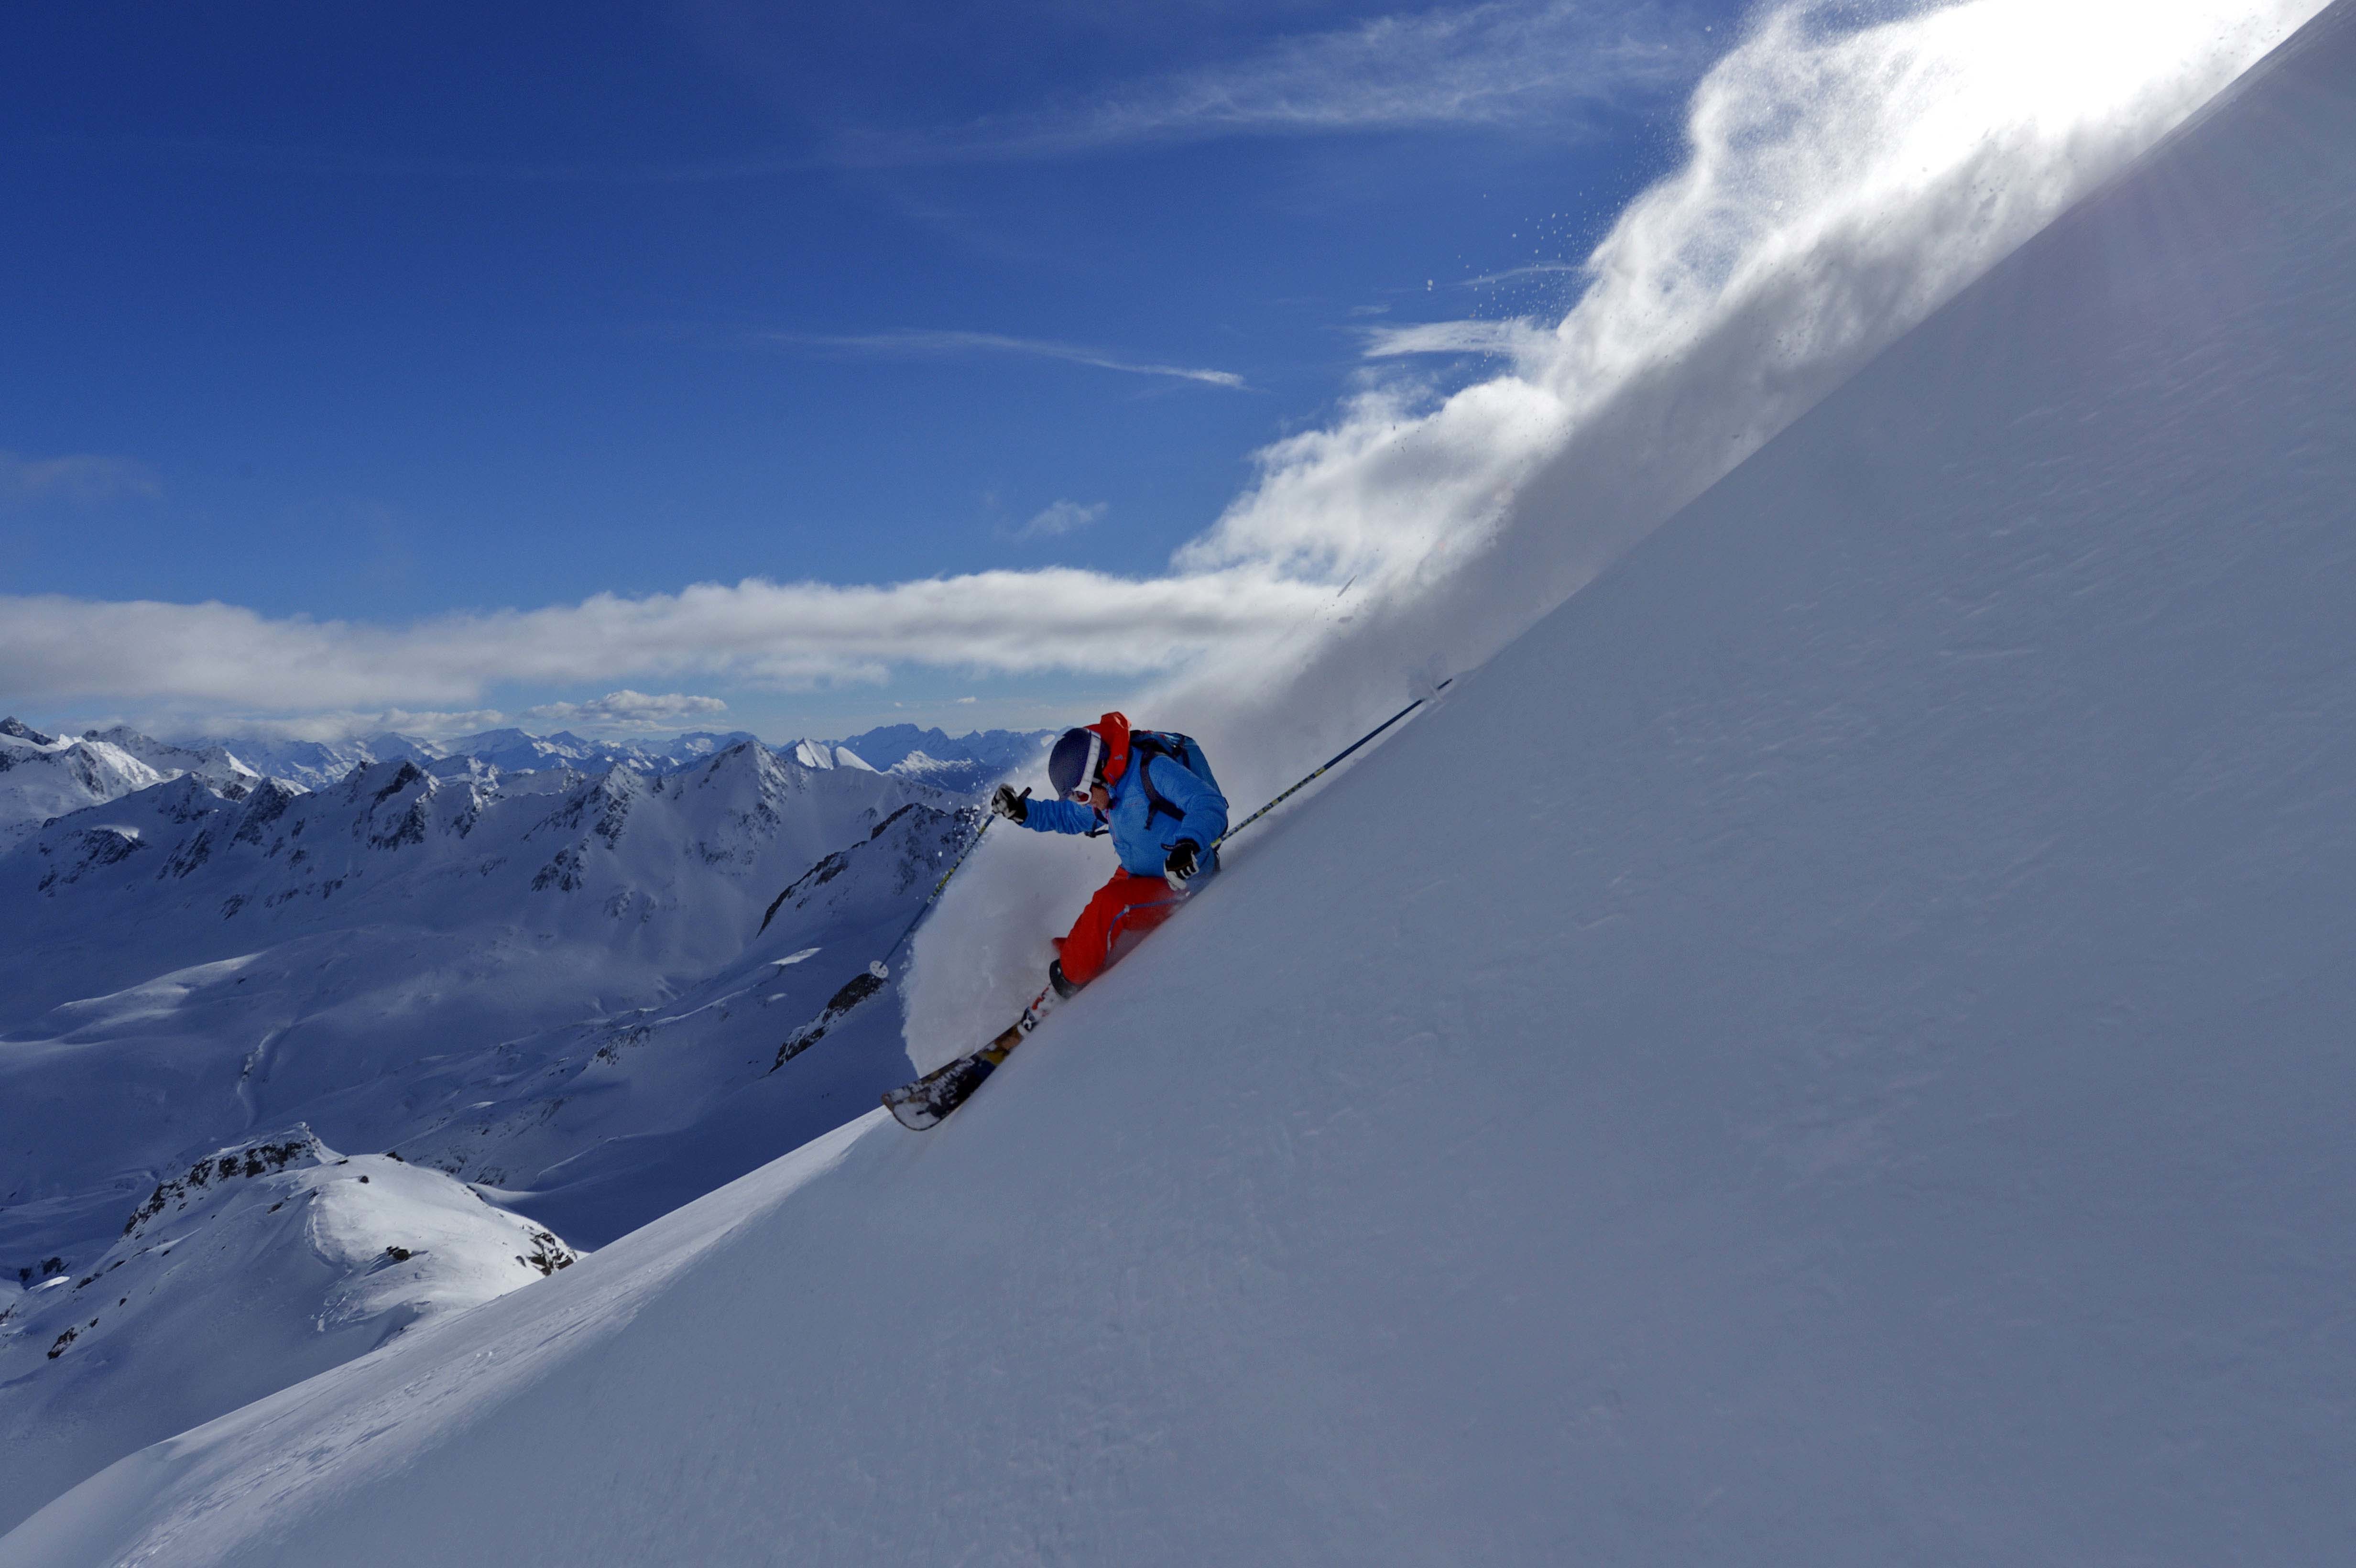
(258, 1266)
(1829, 1050)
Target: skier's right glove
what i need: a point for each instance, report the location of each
(1178, 869)
(1008, 805)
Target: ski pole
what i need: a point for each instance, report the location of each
(881, 967)
(1321, 771)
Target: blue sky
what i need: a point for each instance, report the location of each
(379, 315)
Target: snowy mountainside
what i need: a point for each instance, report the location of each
(259, 1265)
(1855, 1076)
(42, 776)
(377, 926)
(213, 763)
(314, 764)
(823, 754)
(571, 990)
(516, 751)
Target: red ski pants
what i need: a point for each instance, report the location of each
(1116, 920)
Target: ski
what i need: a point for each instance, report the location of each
(928, 1102)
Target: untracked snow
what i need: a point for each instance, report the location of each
(1831, 1049)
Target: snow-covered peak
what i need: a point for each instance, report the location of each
(314, 764)
(267, 1259)
(216, 764)
(990, 750)
(820, 755)
(14, 729)
(41, 783)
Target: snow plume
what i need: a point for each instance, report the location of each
(1844, 179)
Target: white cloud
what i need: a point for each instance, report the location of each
(83, 479)
(1480, 65)
(1062, 517)
(943, 344)
(627, 709)
(779, 634)
(213, 721)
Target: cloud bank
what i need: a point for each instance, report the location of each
(789, 636)
(630, 710)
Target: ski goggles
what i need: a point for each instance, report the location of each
(1086, 786)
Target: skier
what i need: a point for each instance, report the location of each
(1106, 776)
(1156, 793)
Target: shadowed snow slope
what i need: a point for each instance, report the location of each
(1829, 1050)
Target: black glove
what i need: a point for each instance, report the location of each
(1180, 868)
(1009, 805)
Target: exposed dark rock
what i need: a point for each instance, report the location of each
(254, 1159)
(855, 990)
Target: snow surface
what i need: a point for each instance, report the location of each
(1830, 1049)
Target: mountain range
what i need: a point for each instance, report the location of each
(583, 997)
(43, 775)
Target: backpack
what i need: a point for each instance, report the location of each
(1144, 745)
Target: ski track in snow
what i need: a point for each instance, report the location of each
(1829, 1050)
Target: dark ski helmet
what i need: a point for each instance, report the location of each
(1073, 765)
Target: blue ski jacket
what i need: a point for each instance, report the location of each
(1143, 848)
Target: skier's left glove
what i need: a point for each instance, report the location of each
(1181, 867)
(1008, 805)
